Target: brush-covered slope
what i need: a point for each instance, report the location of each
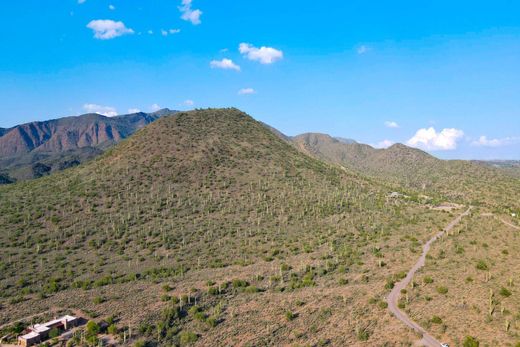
(415, 169)
(199, 189)
(262, 244)
(35, 149)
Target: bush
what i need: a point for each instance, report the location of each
(442, 290)
(54, 332)
(436, 320)
(98, 300)
(505, 292)
(92, 328)
(239, 283)
(470, 341)
(112, 329)
(481, 265)
(428, 280)
(290, 315)
(187, 338)
(362, 335)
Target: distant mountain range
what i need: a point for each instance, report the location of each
(414, 169)
(35, 149)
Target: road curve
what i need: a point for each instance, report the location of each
(393, 298)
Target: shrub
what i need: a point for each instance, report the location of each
(54, 332)
(481, 265)
(436, 320)
(470, 341)
(112, 329)
(239, 283)
(442, 290)
(98, 300)
(428, 280)
(187, 338)
(362, 335)
(92, 328)
(505, 292)
(290, 315)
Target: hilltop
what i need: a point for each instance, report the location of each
(35, 149)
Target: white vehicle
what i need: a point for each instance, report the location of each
(444, 345)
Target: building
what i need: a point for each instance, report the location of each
(40, 332)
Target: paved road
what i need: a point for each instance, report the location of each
(393, 298)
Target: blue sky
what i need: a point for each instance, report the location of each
(439, 75)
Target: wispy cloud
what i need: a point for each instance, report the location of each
(226, 64)
(170, 32)
(188, 102)
(391, 124)
(483, 141)
(106, 29)
(81, 1)
(383, 144)
(362, 49)
(430, 139)
(111, 7)
(264, 55)
(155, 107)
(246, 91)
(189, 14)
(134, 110)
(108, 111)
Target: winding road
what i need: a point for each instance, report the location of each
(393, 298)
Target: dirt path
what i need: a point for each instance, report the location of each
(393, 297)
(509, 224)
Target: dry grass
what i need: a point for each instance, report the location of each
(478, 265)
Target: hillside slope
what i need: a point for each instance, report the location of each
(34, 149)
(414, 169)
(205, 198)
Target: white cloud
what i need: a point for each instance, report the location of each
(246, 91)
(134, 110)
(111, 7)
(81, 1)
(155, 107)
(108, 111)
(430, 139)
(188, 102)
(105, 29)
(150, 32)
(170, 32)
(362, 49)
(483, 141)
(264, 55)
(188, 14)
(226, 64)
(391, 124)
(384, 144)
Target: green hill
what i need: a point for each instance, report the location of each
(411, 168)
